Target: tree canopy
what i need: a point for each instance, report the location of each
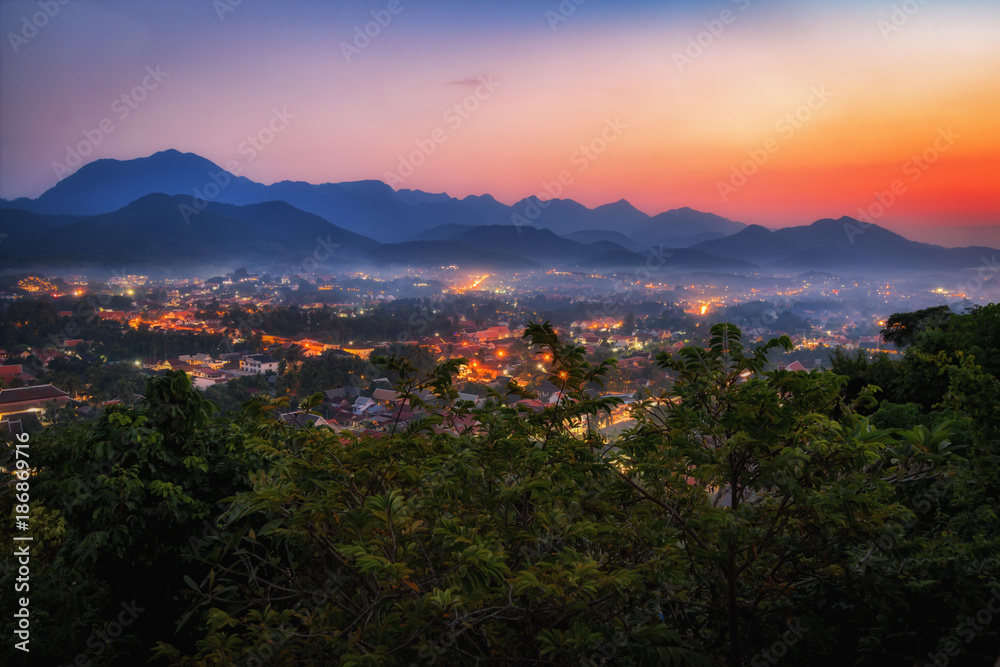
(750, 516)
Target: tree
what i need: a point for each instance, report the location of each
(628, 323)
(445, 546)
(123, 506)
(902, 329)
(770, 480)
(746, 509)
(862, 370)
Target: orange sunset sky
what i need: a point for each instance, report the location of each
(697, 89)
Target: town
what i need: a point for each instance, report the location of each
(72, 346)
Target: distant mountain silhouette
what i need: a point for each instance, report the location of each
(837, 244)
(155, 233)
(19, 225)
(163, 233)
(594, 235)
(548, 249)
(103, 186)
(683, 227)
(540, 245)
(565, 216)
(371, 208)
(175, 209)
(448, 232)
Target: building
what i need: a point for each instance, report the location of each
(31, 398)
(259, 363)
(14, 372)
(18, 423)
(385, 397)
(490, 334)
(364, 406)
(299, 420)
(197, 359)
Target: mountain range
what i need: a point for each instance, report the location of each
(178, 211)
(368, 207)
(840, 244)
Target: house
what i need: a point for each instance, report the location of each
(30, 398)
(342, 417)
(196, 359)
(177, 316)
(457, 425)
(621, 341)
(203, 377)
(259, 363)
(18, 423)
(336, 406)
(635, 360)
(177, 365)
(364, 406)
(14, 372)
(396, 419)
(385, 396)
(530, 404)
(604, 323)
(47, 355)
(501, 381)
(491, 333)
(203, 383)
(477, 400)
(342, 392)
(209, 373)
(871, 343)
(312, 348)
(299, 420)
(468, 350)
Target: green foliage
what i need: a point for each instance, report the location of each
(230, 396)
(744, 502)
(788, 470)
(123, 503)
(328, 371)
(902, 329)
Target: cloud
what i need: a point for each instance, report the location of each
(467, 83)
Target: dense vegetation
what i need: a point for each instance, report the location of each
(751, 517)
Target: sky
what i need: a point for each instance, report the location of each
(768, 112)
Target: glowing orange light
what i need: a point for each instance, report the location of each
(704, 309)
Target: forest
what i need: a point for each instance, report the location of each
(752, 516)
